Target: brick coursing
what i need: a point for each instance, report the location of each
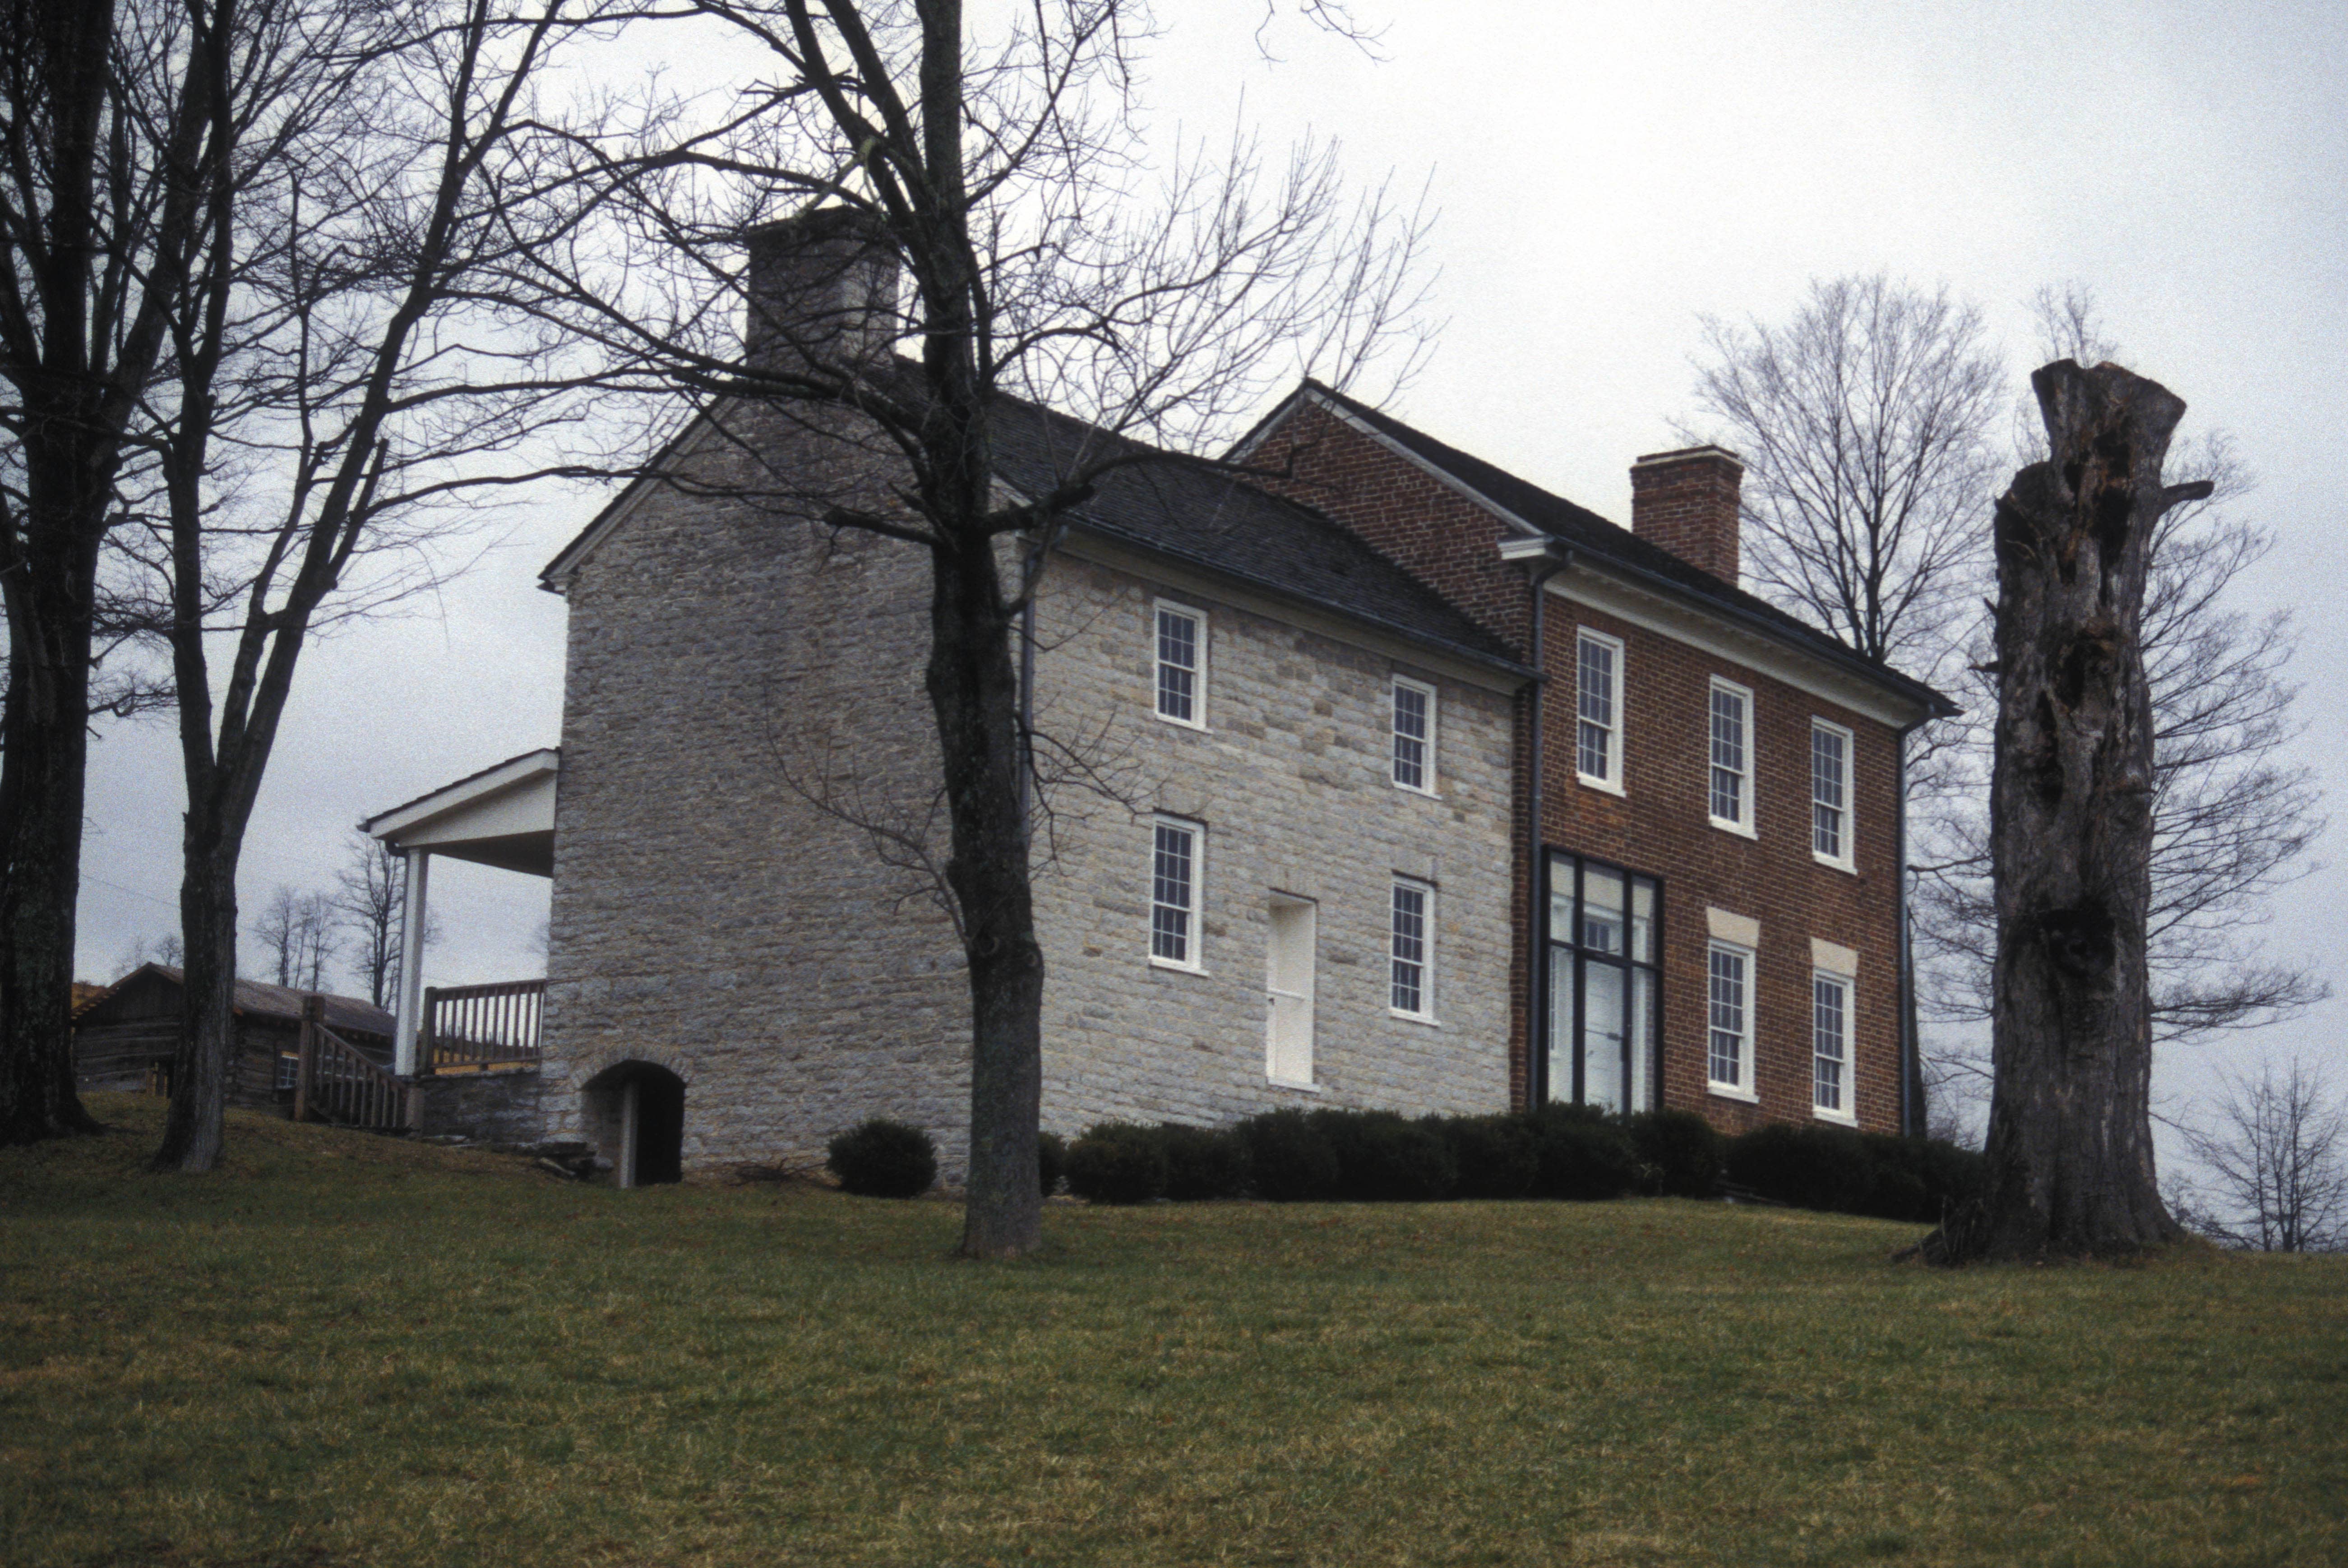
(729, 667)
(1660, 825)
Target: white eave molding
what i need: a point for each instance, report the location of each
(412, 822)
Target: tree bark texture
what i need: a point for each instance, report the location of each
(2071, 803)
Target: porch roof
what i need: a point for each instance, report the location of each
(502, 816)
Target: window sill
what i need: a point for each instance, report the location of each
(1414, 789)
(1604, 786)
(1739, 828)
(1198, 725)
(1428, 1019)
(1730, 1091)
(1292, 1084)
(1839, 1118)
(1848, 868)
(1173, 968)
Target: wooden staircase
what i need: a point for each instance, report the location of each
(337, 1082)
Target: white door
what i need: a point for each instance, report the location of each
(1288, 990)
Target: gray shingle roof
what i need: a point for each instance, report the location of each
(1205, 515)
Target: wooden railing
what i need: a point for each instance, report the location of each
(337, 1081)
(482, 1028)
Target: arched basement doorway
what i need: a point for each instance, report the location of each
(637, 1113)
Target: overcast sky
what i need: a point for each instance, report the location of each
(1605, 175)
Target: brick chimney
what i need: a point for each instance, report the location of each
(1686, 502)
(822, 286)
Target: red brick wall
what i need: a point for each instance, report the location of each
(1660, 827)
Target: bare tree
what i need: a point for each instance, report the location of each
(109, 151)
(296, 930)
(2070, 1162)
(1000, 170)
(2234, 820)
(351, 366)
(369, 902)
(2275, 1154)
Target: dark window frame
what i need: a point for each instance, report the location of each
(1539, 1032)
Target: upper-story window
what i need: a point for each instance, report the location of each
(1181, 665)
(1731, 791)
(1830, 794)
(1598, 732)
(1414, 735)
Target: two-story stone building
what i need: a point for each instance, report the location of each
(1382, 779)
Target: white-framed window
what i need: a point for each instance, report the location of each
(1728, 1049)
(1729, 794)
(1831, 795)
(1830, 1091)
(1177, 867)
(1181, 634)
(1414, 735)
(1598, 708)
(289, 1070)
(1411, 950)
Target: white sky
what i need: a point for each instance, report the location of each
(1605, 173)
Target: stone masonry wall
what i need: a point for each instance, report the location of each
(727, 663)
(1292, 781)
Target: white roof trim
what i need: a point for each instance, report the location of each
(1588, 583)
(464, 792)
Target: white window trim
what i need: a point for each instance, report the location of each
(1743, 829)
(1426, 960)
(1849, 860)
(1198, 720)
(1197, 962)
(1611, 781)
(1426, 691)
(1746, 1092)
(1849, 1115)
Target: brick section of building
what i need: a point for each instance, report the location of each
(1660, 826)
(1686, 502)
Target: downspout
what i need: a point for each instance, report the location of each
(1904, 960)
(1551, 561)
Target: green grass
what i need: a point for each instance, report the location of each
(349, 1351)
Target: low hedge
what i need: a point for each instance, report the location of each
(884, 1159)
(1050, 1161)
(1560, 1151)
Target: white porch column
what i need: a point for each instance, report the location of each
(411, 964)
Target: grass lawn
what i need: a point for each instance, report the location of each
(345, 1350)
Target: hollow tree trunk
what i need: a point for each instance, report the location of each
(2071, 801)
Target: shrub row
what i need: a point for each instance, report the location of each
(1559, 1151)
(1377, 1156)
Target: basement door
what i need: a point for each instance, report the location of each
(1288, 990)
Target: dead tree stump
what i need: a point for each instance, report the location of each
(2070, 811)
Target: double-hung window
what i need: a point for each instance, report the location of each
(1730, 792)
(1414, 735)
(1411, 951)
(1830, 794)
(1830, 1046)
(1176, 865)
(1728, 1051)
(1598, 708)
(1181, 665)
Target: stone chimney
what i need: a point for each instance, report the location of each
(822, 286)
(1686, 502)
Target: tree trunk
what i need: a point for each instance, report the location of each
(2070, 1135)
(974, 693)
(195, 1130)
